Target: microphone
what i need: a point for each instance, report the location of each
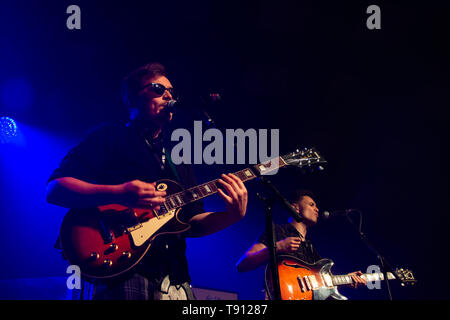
(174, 105)
(325, 215)
(171, 106)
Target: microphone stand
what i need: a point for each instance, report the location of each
(173, 106)
(272, 246)
(385, 266)
(209, 121)
(270, 229)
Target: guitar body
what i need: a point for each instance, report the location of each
(300, 280)
(110, 240)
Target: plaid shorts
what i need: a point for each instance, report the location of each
(140, 288)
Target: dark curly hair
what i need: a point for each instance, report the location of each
(297, 195)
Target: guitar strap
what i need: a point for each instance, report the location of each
(156, 147)
(163, 159)
(171, 165)
(308, 245)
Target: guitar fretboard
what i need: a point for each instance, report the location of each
(204, 190)
(346, 279)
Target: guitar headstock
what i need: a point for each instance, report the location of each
(304, 158)
(405, 276)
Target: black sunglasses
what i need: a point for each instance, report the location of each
(159, 89)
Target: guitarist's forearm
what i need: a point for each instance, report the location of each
(69, 192)
(207, 223)
(252, 260)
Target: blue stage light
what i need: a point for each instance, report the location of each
(8, 129)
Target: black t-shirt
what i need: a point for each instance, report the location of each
(116, 153)
(305, 252)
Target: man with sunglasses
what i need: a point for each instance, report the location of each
(119, 163)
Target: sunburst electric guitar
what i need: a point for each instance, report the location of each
(110, 240)
(303, 281)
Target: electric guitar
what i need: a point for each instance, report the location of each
(110, 240)
(303, 281)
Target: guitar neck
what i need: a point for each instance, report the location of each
(204, 190)
(347, 279)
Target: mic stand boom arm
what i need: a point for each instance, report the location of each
(294, 214)
(385, 266)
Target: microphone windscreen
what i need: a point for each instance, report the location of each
(171, 105)
(325, 215)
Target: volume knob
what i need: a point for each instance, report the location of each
(107, 263)
(94, 256)
(126, 255)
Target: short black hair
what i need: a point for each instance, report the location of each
(297, 195)
(132, 82)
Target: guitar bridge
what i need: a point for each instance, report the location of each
(138, 226)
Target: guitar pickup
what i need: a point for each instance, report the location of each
(308, 283)
(135, 227)
(301, 284)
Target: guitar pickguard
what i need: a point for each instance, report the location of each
(145, 230)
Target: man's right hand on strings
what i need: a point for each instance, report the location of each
(139, 194)
(288, 245)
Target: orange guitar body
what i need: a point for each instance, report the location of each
(288, 276)
(303, 281)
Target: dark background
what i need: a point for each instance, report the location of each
(372, 102)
